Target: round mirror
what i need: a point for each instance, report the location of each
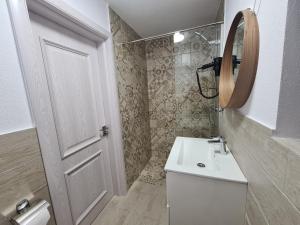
(239, 63)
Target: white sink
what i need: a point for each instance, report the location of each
(210, 195)
(186, 153)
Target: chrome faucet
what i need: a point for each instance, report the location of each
(221, 140)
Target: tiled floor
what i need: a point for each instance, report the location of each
(153, 172)
(144, 204)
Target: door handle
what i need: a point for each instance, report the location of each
(104, 131)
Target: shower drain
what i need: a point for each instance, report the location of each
(201, 165)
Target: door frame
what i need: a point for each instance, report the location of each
(32, 69)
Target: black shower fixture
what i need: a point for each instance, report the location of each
(216, 65)
(217, 62)
(235, 62)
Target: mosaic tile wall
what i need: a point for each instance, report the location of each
(159, 96)
(195, 115)
(130, 61)
(162, 96)
(175, 105)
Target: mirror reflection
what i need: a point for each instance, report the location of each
(237, 50)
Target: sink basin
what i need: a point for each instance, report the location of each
(203, 185)
(187, 153)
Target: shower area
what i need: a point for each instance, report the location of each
(159, 94)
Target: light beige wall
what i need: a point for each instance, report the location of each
(272, 167)
(22, 173)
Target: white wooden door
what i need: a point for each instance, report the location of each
(83, 184)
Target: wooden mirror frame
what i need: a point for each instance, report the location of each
(235, 94)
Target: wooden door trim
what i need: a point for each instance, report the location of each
(32, 68)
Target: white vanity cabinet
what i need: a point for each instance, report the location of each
(210, 195)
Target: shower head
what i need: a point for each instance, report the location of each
(201, 35)
(213, 42)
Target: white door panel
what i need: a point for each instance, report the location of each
(72, 96)
(81, 177)
(71, 69)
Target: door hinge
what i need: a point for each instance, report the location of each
(104, 131)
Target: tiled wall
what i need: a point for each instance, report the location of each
(195, 115)
(130, 61)
(162, 96)
(272, 167)
(176, 107)
(22, 173)
(159, 96)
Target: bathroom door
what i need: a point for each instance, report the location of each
(83, 183)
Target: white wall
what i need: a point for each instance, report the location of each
(14, 109)
(96, 10)
(263, 103)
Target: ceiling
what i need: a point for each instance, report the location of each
(152, 17)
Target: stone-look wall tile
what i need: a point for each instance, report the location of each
(167, 99)
(268, 153)
(22, 172)
(292, 181)
(259, 159)
(162, 100)
(175, 105)
(276, 207)
(195, 115)
(21, 181)
(272, 157)
(254, 214)
(4, 220)
(17, 148)
(159, 48)
(131, 71)
(247, 222)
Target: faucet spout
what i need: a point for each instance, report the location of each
(221, 140)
